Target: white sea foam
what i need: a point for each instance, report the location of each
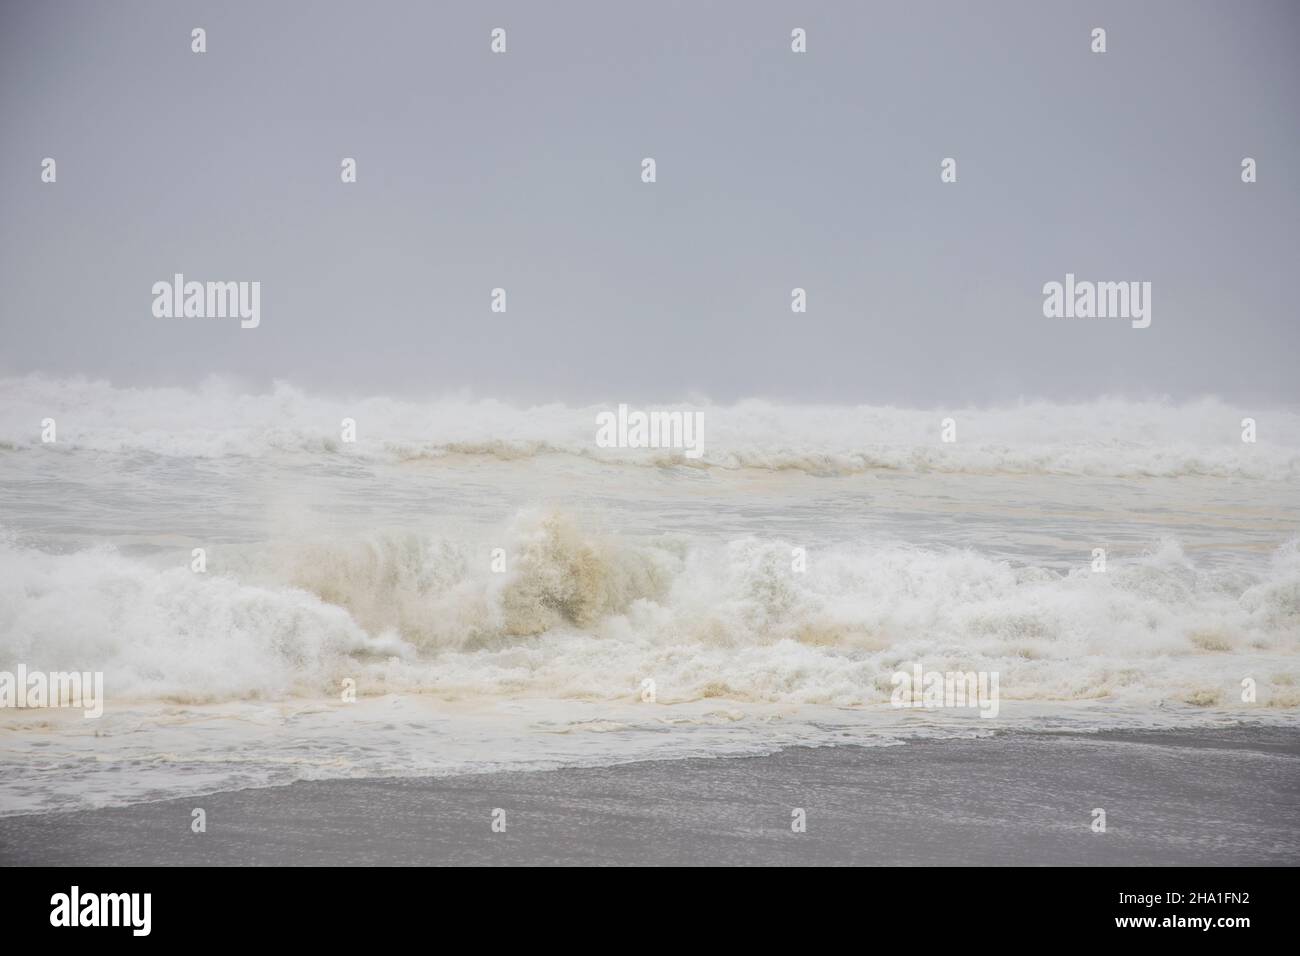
(370, 561)
(1103, 438)
(584, 616)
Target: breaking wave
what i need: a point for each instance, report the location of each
(1103, 438)
(578, 614)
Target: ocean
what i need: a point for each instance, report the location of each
(472, 585)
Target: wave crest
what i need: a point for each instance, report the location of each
(1108, 437)
(579, 613)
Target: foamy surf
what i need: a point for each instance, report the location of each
(582, 617)
(500, 593)
(1111, 437)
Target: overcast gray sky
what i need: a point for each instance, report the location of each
(775, 170)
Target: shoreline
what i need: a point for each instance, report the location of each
(1227, 797)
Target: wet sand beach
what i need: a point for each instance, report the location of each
(1227, 797)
